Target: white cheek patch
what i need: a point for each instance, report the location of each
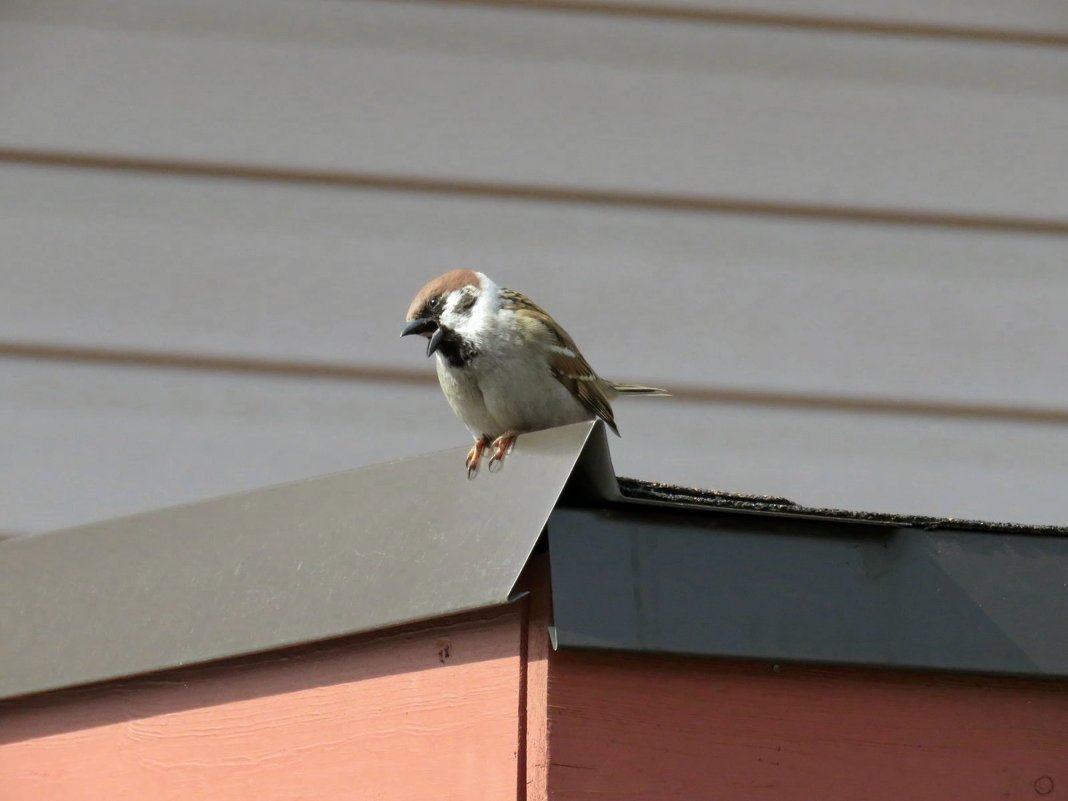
(461, 301)
(482, 316)
(474, 313)
(457, 309)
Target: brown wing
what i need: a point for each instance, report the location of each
(587, 388)
(567, 364)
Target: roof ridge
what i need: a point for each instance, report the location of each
(638, 489)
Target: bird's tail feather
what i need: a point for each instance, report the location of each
(638, 389)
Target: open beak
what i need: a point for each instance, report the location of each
(427, 328)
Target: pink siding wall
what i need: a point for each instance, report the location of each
(431, 714)
(645, 728)
(482, 708)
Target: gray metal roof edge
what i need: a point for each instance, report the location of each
(311, 560)
(683, 581)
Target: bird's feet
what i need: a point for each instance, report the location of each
(502, 446)
(474, 456)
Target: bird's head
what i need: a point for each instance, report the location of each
(451, 304)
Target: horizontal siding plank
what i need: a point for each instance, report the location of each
(994, 16)
(648, 728)
(89, 443)
(148, 263)
(426, 714)
(548, 98)
(85, 443)
(1031, 18)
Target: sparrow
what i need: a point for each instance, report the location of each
(506, 367)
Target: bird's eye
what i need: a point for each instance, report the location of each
(434, 303)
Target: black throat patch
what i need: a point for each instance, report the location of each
(455, 350)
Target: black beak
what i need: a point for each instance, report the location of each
(435, 342)
(425, 326)
(422, 326)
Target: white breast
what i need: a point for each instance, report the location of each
(507, 388)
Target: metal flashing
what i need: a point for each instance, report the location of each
(684, 581)
(326, 557)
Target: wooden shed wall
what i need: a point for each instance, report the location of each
(431, 713)
(653, 728)
(480, 707)
(837, 230)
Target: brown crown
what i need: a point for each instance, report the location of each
(442, 285)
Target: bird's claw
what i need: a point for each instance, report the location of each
(474, 456)
(502, 446)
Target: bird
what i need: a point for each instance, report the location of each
(505, 365)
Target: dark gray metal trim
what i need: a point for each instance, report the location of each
(657, 580)
(348, 553)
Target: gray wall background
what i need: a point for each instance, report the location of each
(839, 230)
